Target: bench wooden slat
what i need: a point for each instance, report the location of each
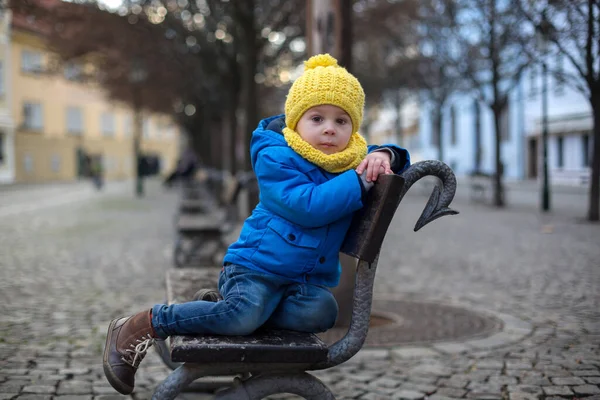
(265, 346)
(268, 346)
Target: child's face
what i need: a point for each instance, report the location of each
(326, 128)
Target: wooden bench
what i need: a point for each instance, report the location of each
(275, 362)
(200, 236)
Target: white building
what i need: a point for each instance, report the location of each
(570, 133)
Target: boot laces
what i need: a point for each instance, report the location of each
(138, 351)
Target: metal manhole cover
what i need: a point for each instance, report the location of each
(402, 322)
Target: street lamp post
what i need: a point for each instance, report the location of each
(137, 77)
(543, 30)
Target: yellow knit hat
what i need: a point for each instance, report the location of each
(324, 82)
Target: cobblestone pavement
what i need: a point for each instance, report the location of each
(67, 270)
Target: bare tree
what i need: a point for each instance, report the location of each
(492, 55)
(386, 53)
(573, 30)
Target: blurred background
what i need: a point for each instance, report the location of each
(500, 90)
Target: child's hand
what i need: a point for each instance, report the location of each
(375, 164)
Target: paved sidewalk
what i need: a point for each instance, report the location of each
(66, 270)
(22, 198)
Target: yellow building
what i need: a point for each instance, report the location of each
(62, 123)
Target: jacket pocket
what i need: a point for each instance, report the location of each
(293, 235)
(287, 250)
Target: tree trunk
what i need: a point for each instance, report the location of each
(232, 108)
(594, 210)
(477, 116)
(498, 190)
(138, 127)
(438, 132)
(249, 71)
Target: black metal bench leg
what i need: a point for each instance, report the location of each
(177, 381)
(261, 386)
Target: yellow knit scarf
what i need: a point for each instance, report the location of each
(345, 160)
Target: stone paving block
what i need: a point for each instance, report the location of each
(489, 364)
(419, 387)
(8, 396)
(13, 372)
(417, 378)
(587, 372)
(440, 397)
(74, 387)
(485, 387)
(454, 382)
(74, 371)
(503, 380)
(408, 395)
(112, 397)
(97, 390)
(73, 397)
(557, 390)
(431, 370)
(592, 379)
(8, 387)
(521, 396)
(568, 381)
(34, 397)
(484, 396)
(518, 365)
(385, 382)
(39, 389)
(451, 392)
(586, 389)
(530, 389)
(374, 396)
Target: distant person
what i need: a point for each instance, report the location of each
(187, 166)
(96, 172)
(314, 170)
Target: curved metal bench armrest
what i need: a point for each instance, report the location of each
(365, 237)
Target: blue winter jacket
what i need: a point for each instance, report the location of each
(298, 227)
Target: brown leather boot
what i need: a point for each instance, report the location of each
(127, 341)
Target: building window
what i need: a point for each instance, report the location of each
(72, 72)
(28, 163)
(55, 163)
(585, 148)
(74, 120)
(31, 61)
(146, 128)
(33, 116)
(453, 125)
(127, 125)
(560, 151)
(107, 123)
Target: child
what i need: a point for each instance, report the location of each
(313, 171)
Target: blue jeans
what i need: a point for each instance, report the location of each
(250, 299)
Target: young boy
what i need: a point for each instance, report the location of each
(313, 171)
